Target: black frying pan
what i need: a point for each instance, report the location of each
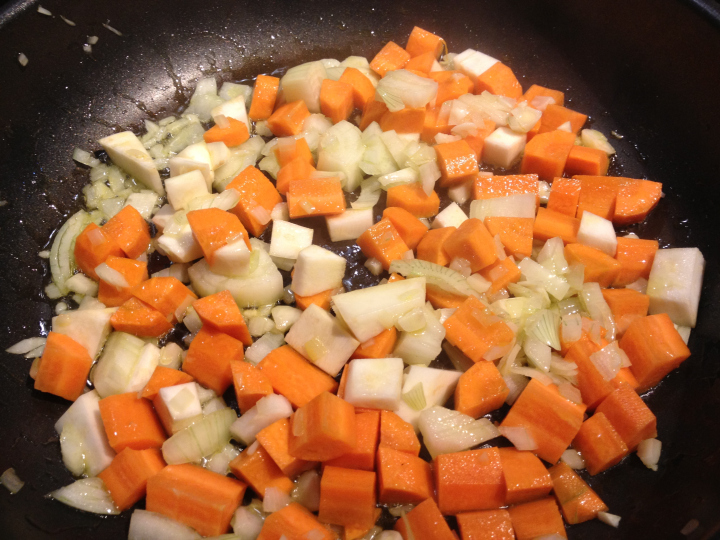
(647, 69)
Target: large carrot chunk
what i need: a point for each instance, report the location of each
(250, 383)
(628, 414)
(294, 377)
(64, 367)
(134, 272)
(599, 266)
(550, 224)
(480, 389)
(424, 522)
(451, 85)
(315, 197)
(435, 122)
(289, 149)
(288, 119)
(546, 154)
(537, 519)
(234, 134)
(220, 312)
(347, 497)
(363, 90)
(379, 346)
(372, 112)
(323, 429)
(472, 242)
(536, 90)
(555, 116)
(214, 228)
(486, 525)
(550, 419)
(500, 80)
(392, 56)
(131, 422)
(209, 358)
(600, 444)
(398, 434)
(411, 229)
(578, 501)
(626, 306)
(383, 242)
(402, 477)
(516, 234)
(422, 42)
(564, 196)
(130, 230)
(275, 439)
(407, 120)
(412, 197)
(501, 273)
(654, 347)
(490, 187)
(636, 257)
(202, 499)
(457, 162)
(422, 63)
(367, 436)
(127, 475)
(336, 100)
(294, 522)
(477, 332)
(92, 247)
(431, 246)
(258, 197)
(139, 319)
(526, 478)
(470, 480)
(635, 200)
(598, 194)
(297, 169)
(163, 377)
(583, 160)
(255, 466)
(166, 294)
(263, 98)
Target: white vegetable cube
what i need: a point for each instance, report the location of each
(144, 202)
(195, 157)
(320, 338)
(350, 224)
(597, 232)
(219, 154)
(303, 82)
(289, 239)
(375, 383)
(163, 217)
(341, 150)
(517, 206)
(231, 259)
(316, 270)
(128, 153)
(473, 63)
(184, 188)
(177, 406)
(451, 216)
(675, 283)
(89, 327)
(233, 108)
(461, 193)
(180, 247)
(280, 212)
(437, 384)
(503, 147)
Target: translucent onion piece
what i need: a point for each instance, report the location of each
(146, 525)
(544, 326)
(594, 139)
(445, 431)
(401, 88)
(275, 499)
(649, 453)
(201, 439)
(262, 347)
(571, 327)
(609, 519)
(445, 278)
(247, 523)
(570, 392)
(519, 436)
(538, 353)
(26, 345)
(532, 373)
(608, 361)
(88, 494)
(11, 481)
(62, 260)
(594, 303)
(307, 490)
(523, 117)
(415, 398)
(573, 459)
(370, 191)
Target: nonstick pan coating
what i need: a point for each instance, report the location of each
(646, 69)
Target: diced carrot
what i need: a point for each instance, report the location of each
(250, 383)
(321, 299)
(625, 376)
(537, 90)
(451, 85)
(402, 477)
(347, 497)
(537, 519)
(134, 272)
(383, 242)
(598, 194)
(411, 229)
(516, 234)
(555, 116)
(480, 389)
(220, 312)
(472, 242)
(131, 422)
(127, 475)
(600, 445)
(583, 160)
(564, 196)
(407, 120)
(457, 162)
(578, 501)
(275, 440)
(635, 200)
(294, 522)
(166, 294)
(297, 169)
(197, 497)
(336, 100)
(391, 57)
(526, 478)
(490, 187)
(367, 436)
(485, 525)
(255, 466)
(209, 358)
(234, 134)
(263, 98)
(546, 154)
(434, 124)
(294, 377)
(398, 434)
(323, 429)
(290, 148)
(163, 377)
(288, 119)
(130, 230)
(395, 277)
(379, 346)
(477, 141)
(372, 112)
(476, 332)
(470, 480)
(363, 90)
(550, 224)
(315, 197)
(548, 417)
(422, 63)
(258, 197)
(593, 387)
(654, 347)
(431, 245)
(636, 257)
(139, 319)
(441, 299)
(626, 306)
(413, 198)
(64, 367)
(499, 80)
(424, 522)
(357, 532)
(92, 247)
(599, 266)
(629, 415)
(214, 228)
(501, 273)
(422, 42)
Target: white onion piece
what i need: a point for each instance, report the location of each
(571, 327)
(649, 453)
(440, 276)
(146, 525)
(275, 499)
(519, 436)
(247, 523)
(44, 11)
(263, 346)
(538, 353)
(690, 527)
(11, 481)
(307, 490)
(461, 266)
(573, 459)
(111, 276)
(541, 102)
(200, 439)
(113, 30)
(26, 345)
(523, 118)
(608, 360)
(609, 519)
(88, 494)
(594, 139)
(401, 88)
(532, 373)
(445, 431)
(67, 21)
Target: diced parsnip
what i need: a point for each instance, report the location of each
(473, 63)
(146, 525)
(516, 206)
(503, 147)
(163, 217)
(171, 355)
(91, 441)
(232, 259)
(127, 152)
(288, 239)
(374, 383)
(178, 406)
(266, 411)
(461, 193)
(675, 283)
(183, 188)
(89, 327)
(280, 212)
(451, 216)
(303, 82)
(320, 338)
(233, 108)
(125, 365)
(341, 150)
(350, 224)
(437, 385)
(367, 312)
(424, 345)
(144, 202)
(240, 158)
(316, 270)
(195, 157)
(180, 246)
(219, 154)
(597, 232)
(445, 431)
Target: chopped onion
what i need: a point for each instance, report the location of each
(263, 346)
(67, 21)
(429, 174)
(443, 138)
(519, 436)
(411, 321)
(181, 310)
(532, 373)
(401, 88)
(274, 499)
(146, 525)
(649, 453)
(370, 191)
(516, 384)
(247, 522)
(571, 327)
(538, 353)
(607, 361)
(400, 510)
(307, 490)
(609, 519)
(594, 139)
(113, 30)
(523, 118)
(570, 392)
(440, 276)
(92, 40)
(62, 260)
(573, 459)
(399, 178)
(111, 276)
(690, 527)
(200, 439)
(87, 48)
(88, 494)
(85, 157)
(44, 11)
(541, 102)
(461, 266)
(415, 397)
(544, 326)
(640, 285)
(445, 431)
(257, 326)
(456, 356)
(552, 256)
(11, 481)
(478, 283)
(26, 345)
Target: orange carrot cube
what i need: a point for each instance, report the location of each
(367, 436)
(636, 257)
(537, 519)
(599, 266)
(626, 306)
(546, 154)
(383, 242)
(336, 100)
(629, 415)
(263, 98)
(556, 115)
(398, 434)
(485, 525)
(578, 501)
(564, 196)
(392, 56)
(480, 389)
(131, 422)
(635, 200)
(220, 312)
(457, 162)
(526, 478)
(255, 466)
(92, 247)
(297, 169)
(130, 230)
(209, 358)
(599, 444)
(411, 229)
(214, 228)
(499, 80)
(134, 272)
(470, 480)
(380, 346)
(64, 367)
(275, 439)
(424, 522)
(583, 160)
(347, 497)
(516, 234)
(598, 194)
(258, 197)
(127, 475)
(407, 120)
(550, 224)
(288, 119)
(315, 197)
(413, 198)
(250, 385)
(422, 42)
(472, 242)
(166, 294)
(139, 319)
(363, 90)
(490, 187)
(402, 477)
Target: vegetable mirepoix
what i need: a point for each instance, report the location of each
(523, 282)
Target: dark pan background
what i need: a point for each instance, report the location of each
(647, 69)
